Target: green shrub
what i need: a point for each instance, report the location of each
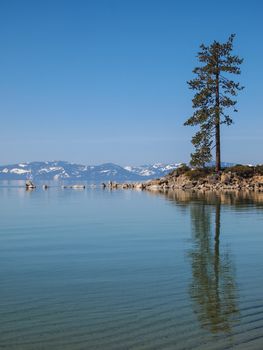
(180, 171)
(259, 169)
(196, 174)
(244, 171)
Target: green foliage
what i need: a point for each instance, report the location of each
(259, 170)
(181, 170)
(202, 145)
(242, 171)
(215, 92)
(245, 171)
(196, 174)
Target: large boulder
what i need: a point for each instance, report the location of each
(225, 178)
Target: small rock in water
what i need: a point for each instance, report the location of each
(29, 184)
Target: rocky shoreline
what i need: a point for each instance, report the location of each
(226, 181)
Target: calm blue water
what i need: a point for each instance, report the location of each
(94, 269)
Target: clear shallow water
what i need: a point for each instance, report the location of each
(94, 269)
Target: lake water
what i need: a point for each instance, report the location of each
(99, 269)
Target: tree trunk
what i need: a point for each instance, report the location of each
(217, 126)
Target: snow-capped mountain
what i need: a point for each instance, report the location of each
(61, 170)
(153, 171)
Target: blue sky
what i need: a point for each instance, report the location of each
(105, 80)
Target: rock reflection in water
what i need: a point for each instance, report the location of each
(236, 198)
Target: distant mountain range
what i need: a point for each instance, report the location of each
(61, 170)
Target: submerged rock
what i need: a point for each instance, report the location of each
(75, 187)
(78, 187)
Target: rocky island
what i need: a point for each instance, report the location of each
(236, 178)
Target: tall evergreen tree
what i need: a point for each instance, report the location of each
(215, 92)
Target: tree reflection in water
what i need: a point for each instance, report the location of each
(213, 280)
(212, 288)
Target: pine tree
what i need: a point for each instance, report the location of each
(214, 94)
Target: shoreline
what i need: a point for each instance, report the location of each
(222, 182)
